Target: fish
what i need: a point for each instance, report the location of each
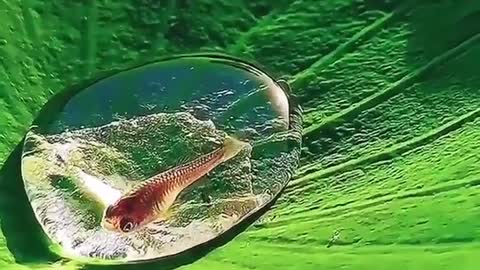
(151, 200)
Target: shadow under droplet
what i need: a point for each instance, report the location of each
(24, 236)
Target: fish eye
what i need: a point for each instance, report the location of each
(109, 210)
(126, 225)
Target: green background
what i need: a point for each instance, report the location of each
(391, 95)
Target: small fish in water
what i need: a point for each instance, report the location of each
(151, 200)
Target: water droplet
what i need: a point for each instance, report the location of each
(199, 115)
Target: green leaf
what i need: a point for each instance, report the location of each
(390, 91)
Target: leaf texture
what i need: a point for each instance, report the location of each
(391, 98)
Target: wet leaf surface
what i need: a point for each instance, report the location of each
(390, 94)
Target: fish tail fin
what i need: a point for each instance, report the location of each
(232, 147)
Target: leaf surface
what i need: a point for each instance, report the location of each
(391, 96)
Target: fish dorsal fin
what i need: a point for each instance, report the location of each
(182, 160)
(147, 181)
(139, 184)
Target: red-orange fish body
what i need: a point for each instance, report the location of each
(151, 200)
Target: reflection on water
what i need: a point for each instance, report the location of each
(121, 131)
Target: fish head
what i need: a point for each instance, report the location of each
(123, 217)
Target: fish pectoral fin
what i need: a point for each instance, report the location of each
(168, 213)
